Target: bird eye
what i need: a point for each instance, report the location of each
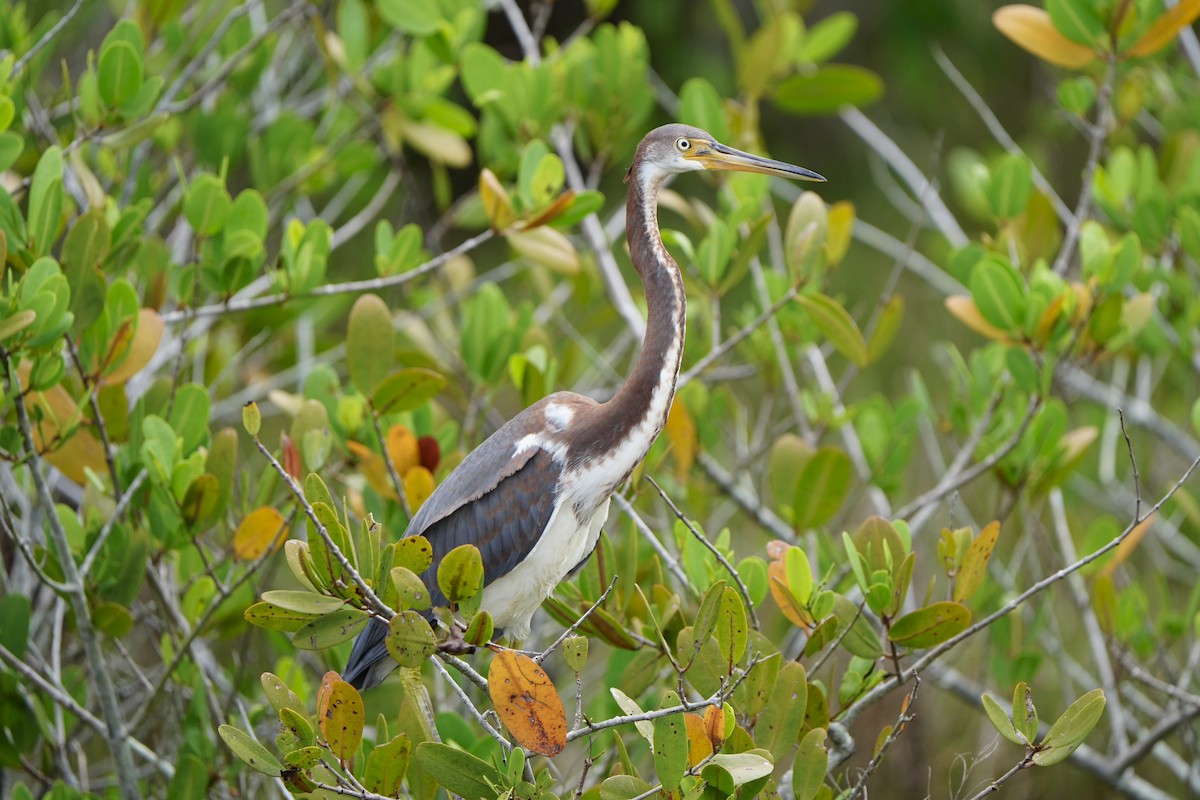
(683, 144)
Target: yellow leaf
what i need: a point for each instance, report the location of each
(1128, 545)
(528, 703)
(841, 226)
(548, 247)
(974, 563)
(699, 745)
(1138, 311)
(964, 309)
(373, 469)
(418, 486)
(1031, 28)
(496, 202)
(402, 447)
(681, 433)
(138, 351)
(1166, 28)
(777, 580)
(60, 417)
(262, 528)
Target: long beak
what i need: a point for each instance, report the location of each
(720, 156)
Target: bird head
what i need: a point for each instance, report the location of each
(675, 148)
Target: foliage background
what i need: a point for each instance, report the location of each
(352, 113)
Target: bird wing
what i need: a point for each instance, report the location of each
(497, 500)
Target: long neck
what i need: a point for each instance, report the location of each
(630, 422)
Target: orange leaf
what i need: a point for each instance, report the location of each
(139, 349)
(291, 458)
(1166, 28)
(60, 417)
(714, 725)
(699, 745)
(1031, 28)
(681, 433)
(261, 529)
(528, 703)
(342, 722)
(373, 469)
(327, 681)
(403, 448)
(964, 309)
(418, 486)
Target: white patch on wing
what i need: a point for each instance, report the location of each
(558, 417)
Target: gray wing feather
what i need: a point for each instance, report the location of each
(497, 500)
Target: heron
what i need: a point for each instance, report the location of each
(534, 496)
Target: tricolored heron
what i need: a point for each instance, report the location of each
(534, 496)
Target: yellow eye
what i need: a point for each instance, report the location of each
(683, 144)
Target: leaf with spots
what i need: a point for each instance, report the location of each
(930, 626)
(731, 630)
(528, 703)
(670, 745)
(413, 552)
(974, 564)
(700, 746)
(278, 694)
(460, 575)
(342, 722)
(808, 770)
(410, 591)
(331, 629)
(782, 717)
(251, 751)
(410, 639)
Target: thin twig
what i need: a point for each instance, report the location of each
(669, 560)
(540, 657)
(117, 735)
(905, 717)
(238, 304)
(1137, 481)
(733, 341)
(721, 559)
(49, 36)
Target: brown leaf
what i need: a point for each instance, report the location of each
(59, 415)
(681, 433)
(528, 703)
(714, 725)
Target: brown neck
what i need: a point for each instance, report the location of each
(637, 408)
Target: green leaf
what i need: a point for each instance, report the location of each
(861, 640)
(837, 325)
(828, 89)
(670, 745)
(331, 629)
(998, 293)
(410, 591)
(418, 17)
(410, 639)
(974, 563)
(781, 718)
(119, 75)
(370, 343)
(251, 751)
(1077, 20)
(206, 204)
(827, 38)
(298, 726)
(822, 488)
(623, 787)
(190, 781)
(460, 575)
(456, 770)
(798, 572)
(303, 602)
(11, 146)
(1069, 730)
(1024, 714)
(387, 766)
(1010, 186)
(886, 328)
(700, 105)
(731, 631)
(744, 767)
(45, 201)
(414, 553)
(406, 389)
(808, 770)
(930, 626)
(1000, 720)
